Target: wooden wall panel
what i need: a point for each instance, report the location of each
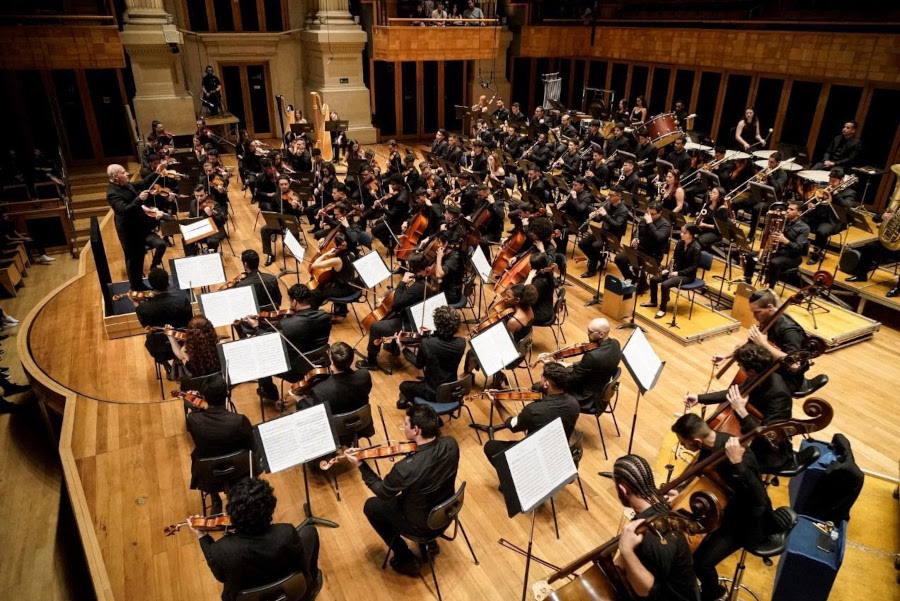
(60, 47)
(397, 43)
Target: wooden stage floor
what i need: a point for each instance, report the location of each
(125, 455)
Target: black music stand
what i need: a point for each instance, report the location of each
(647, 266)
(663, 167)
(304, 182)
(611, 246)
(354, 166)
(736, 239)
(568, 226)
(305, 130)
(635, 202)
(710, 180)
(464, 114)
(281, 222)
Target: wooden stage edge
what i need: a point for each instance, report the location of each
(55, 397)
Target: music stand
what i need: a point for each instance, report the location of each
(710, 180)
(338, 126)
(611, 246)
(645, 368)
(306, 130)
(737, 239)
(635, 202)
(647, 265)
(464, 114)
(281, 222)
(663, 167)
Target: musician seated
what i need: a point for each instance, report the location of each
(790, 245)
(822, 220)
(686, 261)
(713, 209)
(159, 311)
(345, 390)
(215, 431)
(657, 566)
(339, 280)
(645, 154)
(679, 157)
(629, 178)
(587, 378)
(255, 551)
(410, 291)
(843, 151)
(415, 485)
(438, 356)
(873, 253)
(748, 517)
(673, 196)
(652, 239)
(199, 354)
(391, 224)
(450, 266)
(556, 403)
(771, 400)
(212, 209)
(776, 178)
(613, 218)
(570, 161)
(542, 278)
(493, 230)
(306, 330)
(268, 292)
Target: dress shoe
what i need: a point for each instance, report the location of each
(366, 364)
(648, 304)
(268, 395)
(659, 314)
(813, 259)
(270, 259)
(408, 566)
(857, 278)
(895, 291)
(403, 404)
(589, 273)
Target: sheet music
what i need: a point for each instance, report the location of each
(371, 269)
(297, 438)
(482, 267)
(202, 270)
(254, 358)
(425, 318)
(197, 230)
(494, 348)
(223, 307)
(641, 360)
(540, 465)
(293, 245)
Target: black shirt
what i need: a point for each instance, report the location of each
(588, 377)
(216, 432)
(789, 336)
(843, 152)
(543, 307)
(653, 237)
(345, 391)
(164, 309)
(422, 480)
(670, 562)
(797, 231)
(538, 414)
(307, 329)
(616, 219)
(686, 260)
(439, 359)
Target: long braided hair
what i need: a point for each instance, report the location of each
(634, 472)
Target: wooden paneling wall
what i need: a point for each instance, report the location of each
(60, 47)
(397, 43)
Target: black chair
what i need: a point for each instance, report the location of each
(300, 367)
(439, 519)
(576, 447)
(349, 425)
(698, 284)
(773, 546)
(560, 312)
(450, 400)
(605, 402)
(290, 588)
(350, 301)
(197, 384)
(467, 299)
(222, 472)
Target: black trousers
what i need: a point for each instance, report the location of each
(718, 545)
(871, 254)
(593, 250)
(389, 522)
(381, 231)
(381, 329)
(821, 229)
(625, 266)
(665, 285)
(267, 235)
(708, 239)
(309, 543)
(417, 388)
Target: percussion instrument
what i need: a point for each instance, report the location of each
(694, 146)
(808, 181)
(663, 130)
(763, 154)
(817, 176)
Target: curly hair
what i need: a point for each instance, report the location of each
(525, 296)
(446, 322)
(200, 345)
(251, 505)
(753, 357)
(541, 228)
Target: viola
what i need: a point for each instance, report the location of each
(195, 401)
(409, 239)
(512, 247)
(291, 197)
(570, 351)
(159, 190)
(136, 296)
(213, 523)
(309, 381)
(384, 308)
(268, 316)
(508, 395)
(375, 452)
(176, 334)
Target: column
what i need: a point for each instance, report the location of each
(332, 51)
(150, 38)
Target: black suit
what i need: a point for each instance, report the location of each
(134, 228)
(268, 292)
(161, 310)
(308, 330)
(345, 391)
(680, 160)
(216, 432)
(439, 149)
(685, 262)
(244, 561)
(587, 378)
(823, 220)
(615, 222)
(842, 152)
(653, 239)
(439, 360)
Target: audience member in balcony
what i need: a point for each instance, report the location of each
(473, 12)
(455, 15)
(419, 13)
(440, 14)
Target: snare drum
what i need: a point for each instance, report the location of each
(663, 130)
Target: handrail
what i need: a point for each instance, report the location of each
(675, 23)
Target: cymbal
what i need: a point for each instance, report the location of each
(867, 170)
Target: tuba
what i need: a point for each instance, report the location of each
(889, 231)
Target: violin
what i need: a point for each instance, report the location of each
(570, 351)
(159, 190)
(268, 316)
(234, 282)
(374, 452)
(176, 334)
(507, 395)
(136, 296)
(194, 401)
(213, 523)
(384, 308)
(308, 382)
(403, 337)
(291, 197)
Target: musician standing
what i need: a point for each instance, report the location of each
(652, 239)
(656, 566)
(133, 226)
(438, 356)
(843, 151)
(822, 219)
(613, 218)
(748, 517)
(415, 485)
(685, 262)
(212, 91)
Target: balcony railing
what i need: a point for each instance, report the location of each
(400, 13)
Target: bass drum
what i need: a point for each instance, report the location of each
(663, 130)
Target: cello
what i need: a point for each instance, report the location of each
(512, 247)
(384, 308)
(409, 239)
(317, 277)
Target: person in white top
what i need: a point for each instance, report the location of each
(439, 13)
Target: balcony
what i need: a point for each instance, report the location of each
(43, 42)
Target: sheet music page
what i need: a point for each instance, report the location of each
(425, 318)
(293, 245)
(494, 348)
(297, 438)
(371, 269)
(482, 267)
(254, 358)
(202, 270)
(197, 230)
(541, 464)
(643, 362)
(224, 307)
